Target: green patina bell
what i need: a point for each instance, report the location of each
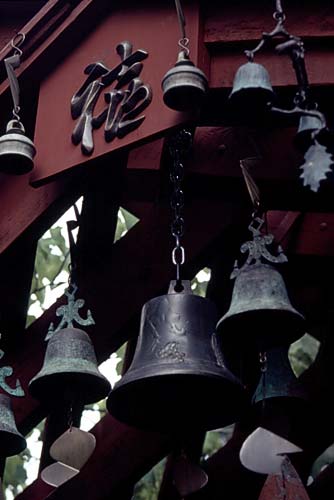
(251, 88)
(70, 370)
(11, 441)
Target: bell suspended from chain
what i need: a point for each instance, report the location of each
(16, 149)
(177, 371)
(260, 309)
(184, 86)
(70, 370)
(11, 441)
(251, 88)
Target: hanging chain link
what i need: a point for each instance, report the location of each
(279, 13)
(263, 368)
(179, 146)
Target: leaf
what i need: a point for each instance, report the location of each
(316, 167)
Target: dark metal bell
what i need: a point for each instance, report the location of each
(177, 378)
(260, 310)
(251, 87)
(280, 398)
(11, 441)
(184, 86)
(279, 379)
(70, 370)
(16, 150)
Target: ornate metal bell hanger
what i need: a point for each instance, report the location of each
(260, 300)
(16, 149)
(184, 86)
(70, 366)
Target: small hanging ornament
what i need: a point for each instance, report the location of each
(177, 359)
(71, 450)
(70, 369)
(284, 485)
(184, 86)
(318, 163)
(188, 476)
(16, 149)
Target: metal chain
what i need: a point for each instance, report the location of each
(179, 146)
(263, 368)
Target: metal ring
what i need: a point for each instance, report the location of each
(177, 249)
(279, 17)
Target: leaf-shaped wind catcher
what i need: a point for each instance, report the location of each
(318, 162)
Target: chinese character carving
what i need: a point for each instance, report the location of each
(125, 101)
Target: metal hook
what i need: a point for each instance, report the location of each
(17, 41)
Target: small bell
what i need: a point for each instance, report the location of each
(11, 441)
(184, 86)
(70, 370)
(261, 310)
(251, 88)
(177, 370)
(311, 128)
(16, 150)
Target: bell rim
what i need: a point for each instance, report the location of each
(99, 386)
(11, 443)
(221, 416)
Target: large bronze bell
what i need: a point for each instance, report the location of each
(11, 441)
(251, 87)
(177, 378)
(16, 150)
(260, 310)
(184, 86)
(70, 370)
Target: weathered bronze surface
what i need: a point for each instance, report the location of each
(260, 309)
(11, 441)
(251, 87)
(70, 370)
(184, 86)
(178, 377)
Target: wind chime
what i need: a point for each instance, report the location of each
(69, 376)
(178, 369)
(16, 149)
(11, 440)
(184, 86)
(252, 88)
